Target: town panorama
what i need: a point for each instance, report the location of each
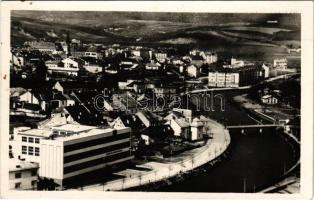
(160, 102)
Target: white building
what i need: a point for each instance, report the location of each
(67, 66)
(152, 66)
(237, 63)
(23, 95)
(223, 79)
(193, 71)
(281, 63)
(266, 71)
(180, 126)
(93, 68)
(197, 128)
(22, 175)
(209, 57)
(71, 150)
(161, 56)
(269, 99)
(17, 59)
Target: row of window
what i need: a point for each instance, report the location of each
(30, 139)
(95, 162)
(18, 184)
(95, 142)
(30, 150)
(19, 174)
(95, 152)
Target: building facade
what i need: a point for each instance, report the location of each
(71, 150)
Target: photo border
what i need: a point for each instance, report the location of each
(306, 10)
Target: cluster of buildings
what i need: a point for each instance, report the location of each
(237, 73)
(82, 124)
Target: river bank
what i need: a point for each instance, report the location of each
(253, 162)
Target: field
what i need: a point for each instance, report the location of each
(251, 38)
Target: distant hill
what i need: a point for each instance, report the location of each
(150, 27)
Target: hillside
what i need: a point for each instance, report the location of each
(142, 27)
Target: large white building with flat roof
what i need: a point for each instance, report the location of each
(70, 150)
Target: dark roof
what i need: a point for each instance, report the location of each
(132, 121)
(158, 132)
(85, 96)
(86, 115)
(78, 84)
(30, 106)
(59, 96)
(150, 116)
(197, 57)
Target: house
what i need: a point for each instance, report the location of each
(42, 46)
(265, 70)
(281, 63)
(124, 102)
(148, 118)
(69, 66)
(137, 86)
(131, 121)
(60, 100)
(44, 97)
(23, 175)
(17, 59)
(93, 52)
(112, 69)
(66, 87)
(236, 63)
(162, 90)
(126, 85)
(178, 113)
(20, 94)
(53, 64)
(209, 57)
(86, 97)
(84, 115)
(193, 71)
(153, 66)
(197, 60)
(160, 56)
(197, 129)
(206, 122)
(92, 64)
(269, 99)
(156, 134)
(181, 127)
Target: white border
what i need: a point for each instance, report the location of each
(306, 10)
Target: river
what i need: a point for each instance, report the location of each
(255, 160)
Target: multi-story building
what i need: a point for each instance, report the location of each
(72, 150)
(281, 63)
(209, 57)
(45, 47)
(235, 77)
(22, 175)
(223, 79)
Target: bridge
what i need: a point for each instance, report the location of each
(255, 126)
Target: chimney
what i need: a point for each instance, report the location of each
(68, 41)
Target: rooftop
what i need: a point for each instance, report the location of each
(36, 132)
(17, 165)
